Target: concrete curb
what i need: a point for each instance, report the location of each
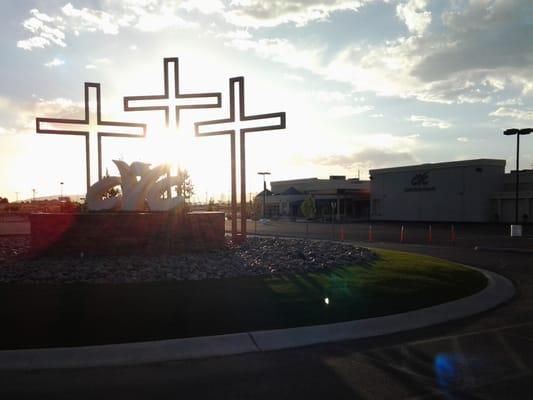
(498, 290)
(505, 249)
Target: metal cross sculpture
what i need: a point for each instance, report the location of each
(229, 126)
(176, 103)
(87, 126)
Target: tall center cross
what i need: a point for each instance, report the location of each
(239, 121)
(172, 105)
(88, 127)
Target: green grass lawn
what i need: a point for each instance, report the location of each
(83, 314)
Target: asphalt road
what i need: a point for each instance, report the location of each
(458, 235)
(489, 356)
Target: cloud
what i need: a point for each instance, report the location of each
(367, 158)
(155, 22)
(54, 63)
(6, 131)
(146, 16)
(485, 37)
(329, 96)
(377, 151)
(4, 103)
(349, 110)
(204, 6)
(513, 113)
(415, 16)
(429, 122)
(239, 34)
(59, 106)
(267, 13)
(98, 62)
(92, 20)
(45, 29)
(293, 77)
(472, 98)
(479, 48)
(463, 139)
(515, 101)
(279, 50)
(24, 113)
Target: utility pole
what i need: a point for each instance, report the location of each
(264, 192)
(516, 230)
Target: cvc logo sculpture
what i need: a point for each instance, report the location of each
(141, 184)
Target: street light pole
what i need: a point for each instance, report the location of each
(61, 196)
(264, 192)
(517, 179)
(517, 132)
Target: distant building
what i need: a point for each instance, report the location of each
(460, 191)
(350, 197)
(503, 202)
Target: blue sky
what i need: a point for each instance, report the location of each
(365, 83)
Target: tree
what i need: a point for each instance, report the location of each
(308, 207)
(184, 188)
(4, 200)
(256, 207)
(113, 192)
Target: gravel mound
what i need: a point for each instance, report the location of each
(257, 257)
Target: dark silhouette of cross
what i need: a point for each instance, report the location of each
(243, 124)
(172, 105)
(88, 127)
(177, 102)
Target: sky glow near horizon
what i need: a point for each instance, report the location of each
(365, 84)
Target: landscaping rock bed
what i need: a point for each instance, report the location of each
(257, 257)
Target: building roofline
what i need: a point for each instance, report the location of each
(441, 165)
(301, 180)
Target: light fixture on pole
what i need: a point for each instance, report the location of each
(61, 196)
(516, 229)
(264, 192)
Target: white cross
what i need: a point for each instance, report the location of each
(172, 105)
(89, 127)
(243, 124)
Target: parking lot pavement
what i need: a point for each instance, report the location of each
(489, 356)
(442, 234)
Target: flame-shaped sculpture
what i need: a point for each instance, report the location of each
(139, 184)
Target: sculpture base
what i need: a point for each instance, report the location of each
(125, 233)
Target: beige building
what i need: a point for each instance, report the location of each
(349, 199)
(460, 191)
